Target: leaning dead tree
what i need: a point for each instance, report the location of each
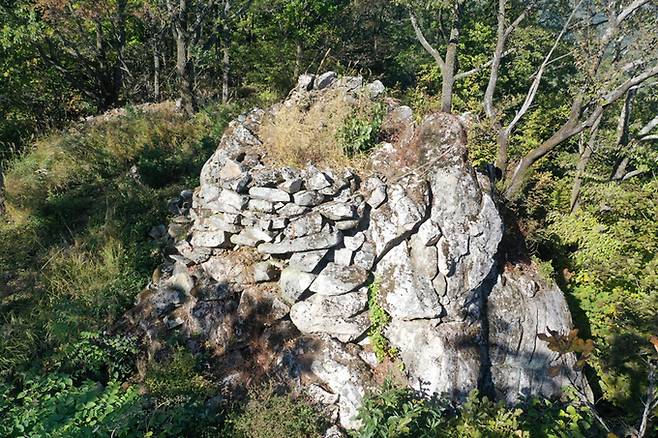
(628, 143)
(624, 144)
(624, 57)
(613, 55)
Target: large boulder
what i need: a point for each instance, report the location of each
(521, 306)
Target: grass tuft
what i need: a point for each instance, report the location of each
(335, 131)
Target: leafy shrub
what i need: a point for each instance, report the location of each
(483, 418)
(613, 241)
(163, 146)
(76, 250)
(270, 415)
(19, 343)
(554, 419)
(88, 288)
(359, 133)
(177, 378)
(393, 412)
(99, 356)
(399, 412)
(545, 268)
(54, 406)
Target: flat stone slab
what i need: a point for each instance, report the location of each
(292, 185)
(338, 279)
(265, 271)
(308, 261)
(308, 224)
(251, 237)
(292, 210)
(260, 205)
(308, 198)
(268, 194)
(233, 199)
(308, 318)
(306, 243)
(343, 256)
(337, 211)
(353, 243)
(210, 239)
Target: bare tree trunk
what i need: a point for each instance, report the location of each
(450, 64)
(226, 65)
(2, 193)
(502, 34)
(226, 42)
(567, 130)
(186, 84)
(184, 67)
(156, 72)
(572, 127)
(495, 64)
(298, 61)
(502, 140)
(117, 74)
(622, 136)
(447, 84)
(585, 156)
(650, 403)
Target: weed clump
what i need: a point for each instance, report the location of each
(334, 131)
(272, 415)
(379, 319)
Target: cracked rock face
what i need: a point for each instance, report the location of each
(273, 271)
(519, 360)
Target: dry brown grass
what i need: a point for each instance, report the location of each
(296, 136)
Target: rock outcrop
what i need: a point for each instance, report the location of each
(273, 271)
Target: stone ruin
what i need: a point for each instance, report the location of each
(269, 269)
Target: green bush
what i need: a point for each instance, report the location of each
(75, 250)
(360, 132)
(394, 412)
(270, 415)
(55, 406)
(480, 417)
(399, 412)
(177, 378)
(98, 356)
(611, 246)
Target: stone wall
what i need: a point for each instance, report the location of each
(271, 268)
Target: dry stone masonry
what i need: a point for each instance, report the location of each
(273, 271)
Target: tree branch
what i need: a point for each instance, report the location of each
(519, 19)
(634, 6)
(615, 94)
(532, 91)
(423, 41)
(476, 70)
(646, 129)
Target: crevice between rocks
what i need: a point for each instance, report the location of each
(485, 380)
(406, 235)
